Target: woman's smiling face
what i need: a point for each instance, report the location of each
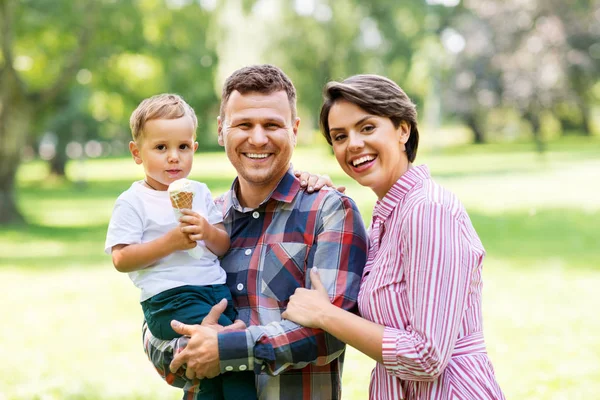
(369, 148)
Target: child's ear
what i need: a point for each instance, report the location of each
(135, 152)
(195, 146)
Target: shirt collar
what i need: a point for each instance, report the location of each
(285, 191)
(385, 206)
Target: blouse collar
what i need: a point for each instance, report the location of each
(385, 206)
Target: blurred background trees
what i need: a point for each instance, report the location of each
(72, 71)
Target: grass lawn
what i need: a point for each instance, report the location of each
(72, 323)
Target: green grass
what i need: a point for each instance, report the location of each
(72, 323)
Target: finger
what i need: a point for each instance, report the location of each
(323, 180)
(341, 189)
(183, 329)
(237, 325)
(190, 374)
(312, 180)
(178, 361)
(303, 176)
(215, 312)
(315, 281)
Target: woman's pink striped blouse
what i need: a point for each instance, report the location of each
(423, 282)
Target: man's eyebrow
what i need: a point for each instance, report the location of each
(360, 121)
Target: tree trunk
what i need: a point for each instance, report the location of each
(536, 128)
(473, 124)
(15, 117)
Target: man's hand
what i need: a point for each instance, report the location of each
(202, 351)
(212, 319)
(314, 182)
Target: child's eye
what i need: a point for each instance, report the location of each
(161, 147)
(184, 146)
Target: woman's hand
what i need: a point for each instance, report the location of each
(314, 182)
(308, 307)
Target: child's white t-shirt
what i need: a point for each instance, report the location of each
(141, 215)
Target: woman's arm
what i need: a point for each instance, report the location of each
(313, 309)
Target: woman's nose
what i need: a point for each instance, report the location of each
(355, 142)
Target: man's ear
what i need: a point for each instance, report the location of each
(295, 127)
(135, 152)
(220, 131)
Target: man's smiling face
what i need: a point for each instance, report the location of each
(259, 137)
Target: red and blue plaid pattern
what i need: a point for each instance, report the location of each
(272, 249)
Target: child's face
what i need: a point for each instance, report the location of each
(166, 150)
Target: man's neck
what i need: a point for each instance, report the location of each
(251, 195)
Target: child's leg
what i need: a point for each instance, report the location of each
(239, 385)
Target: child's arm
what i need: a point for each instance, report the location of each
(133, 257)
(215, 237)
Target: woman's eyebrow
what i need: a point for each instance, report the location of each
(360, 121)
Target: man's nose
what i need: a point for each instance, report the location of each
(258, 136)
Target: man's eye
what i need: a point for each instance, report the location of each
(272, 127)
(244, 126)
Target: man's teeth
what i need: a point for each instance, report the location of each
(252, 155)
(362, 160)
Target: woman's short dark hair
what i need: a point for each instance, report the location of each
(376, 95)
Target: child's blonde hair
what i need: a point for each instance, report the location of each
(161, 106)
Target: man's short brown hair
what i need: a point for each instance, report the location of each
(160, 106)
(377, 95)
(265, 79)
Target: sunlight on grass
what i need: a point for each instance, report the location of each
(72, 323)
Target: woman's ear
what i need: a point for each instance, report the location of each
(404, 131)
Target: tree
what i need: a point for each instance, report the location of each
(21, 101)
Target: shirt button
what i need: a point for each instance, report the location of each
(243, 367)
(229, 368)
(248, 252)
(255, 214)
(240, 286)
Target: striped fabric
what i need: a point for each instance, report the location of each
(423, 282)
(272, 248)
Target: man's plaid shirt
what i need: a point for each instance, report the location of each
(272, 248)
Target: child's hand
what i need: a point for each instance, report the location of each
(179, 239)
(195, 225)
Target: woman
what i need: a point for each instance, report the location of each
(420, 296)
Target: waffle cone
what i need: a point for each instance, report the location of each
(181, 200)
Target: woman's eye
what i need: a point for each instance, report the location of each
(368, 128)
(339, 137)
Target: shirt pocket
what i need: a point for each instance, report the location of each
(283, 270)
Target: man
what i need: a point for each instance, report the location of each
(278, 232)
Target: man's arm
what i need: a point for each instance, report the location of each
(339, 251)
